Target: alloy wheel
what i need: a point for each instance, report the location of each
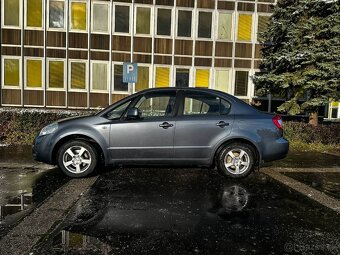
(237, 161)
(77, 159)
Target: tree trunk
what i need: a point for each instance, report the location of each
(313, 119)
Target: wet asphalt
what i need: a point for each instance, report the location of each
(328, 183)
(179, 211)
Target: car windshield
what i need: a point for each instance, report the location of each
(117, 112)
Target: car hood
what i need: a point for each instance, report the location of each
(61, 121)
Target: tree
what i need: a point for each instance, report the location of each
(301, 55)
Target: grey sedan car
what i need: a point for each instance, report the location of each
(169, 127)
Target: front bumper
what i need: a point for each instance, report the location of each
(42, 149)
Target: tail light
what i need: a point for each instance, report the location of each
(277, 120)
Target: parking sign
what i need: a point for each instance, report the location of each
(130, 72)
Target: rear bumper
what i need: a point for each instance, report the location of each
(277, 150)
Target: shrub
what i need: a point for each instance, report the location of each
(302, 132)
(19, 126)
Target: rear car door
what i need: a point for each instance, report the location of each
(203, 121)
(150, 137)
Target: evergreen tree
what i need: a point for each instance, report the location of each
(302, 55)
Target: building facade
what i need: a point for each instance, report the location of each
(70, 53)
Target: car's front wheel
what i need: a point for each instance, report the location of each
(77, 158)
(236, 160)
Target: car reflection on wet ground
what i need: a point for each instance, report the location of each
(22, 189)
(181, 211)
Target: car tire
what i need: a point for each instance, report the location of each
(236, 160)
(77, 158)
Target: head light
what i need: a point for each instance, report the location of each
(49, 129)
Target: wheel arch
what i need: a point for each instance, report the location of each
(79, 137)
(240, 140)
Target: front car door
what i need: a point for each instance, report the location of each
(203, 121)
(149, 138)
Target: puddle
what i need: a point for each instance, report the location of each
(168, 211)
(296, 159)
(23, 189)
(329, 183)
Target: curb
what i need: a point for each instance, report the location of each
(39, 166)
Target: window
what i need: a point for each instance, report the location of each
(34, 73)
(11, 13)
(334, 110)
(184, 23)
(202, 78)
(100, 18)
(162, 77)
(99, 76)
(34, 13)
(11, 72)
(182, 77)
(143, 20)
(262, 24)
(56, 74)
(78, 16)
(119, 85)
(143, 78)
(56, 14)
(244, 27)
(118, 111)
(222, 80)
(241, 83)
(156, 105)
(204, 104)
(204, 24)
(164, 22)
(78, 75)
(122, 21)
(224, 26)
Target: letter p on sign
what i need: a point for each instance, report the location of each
(130, 72)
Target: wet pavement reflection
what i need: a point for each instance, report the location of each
(22, 189)
(329, 183)
(181, 211)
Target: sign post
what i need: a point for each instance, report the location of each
(130, 73)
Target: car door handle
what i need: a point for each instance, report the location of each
(166, 125)
(222, 124)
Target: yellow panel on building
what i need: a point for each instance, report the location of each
(34, 13)
(202, 78)
(244, 27)
(11, 74)
(34, 73)
(78, 16)
(162, 77)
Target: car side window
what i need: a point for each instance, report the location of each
(160, 105)
(205, 104)
(117, 112)
(224, 107)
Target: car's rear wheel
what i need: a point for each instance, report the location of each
(77, 158)
(236, 160)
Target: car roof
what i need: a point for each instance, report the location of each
(241, 104)
(176, 88)
(213, 91)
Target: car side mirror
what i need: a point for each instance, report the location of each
(133, 113)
